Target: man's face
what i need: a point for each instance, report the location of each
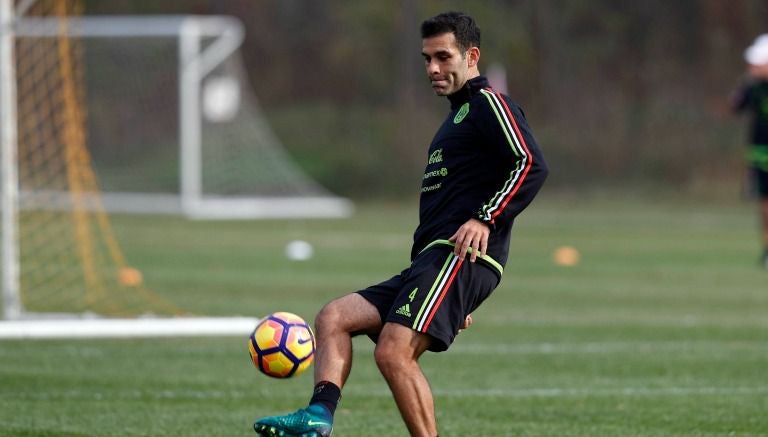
(759, 71)
(447, 65)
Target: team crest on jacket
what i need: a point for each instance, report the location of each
(463, 111)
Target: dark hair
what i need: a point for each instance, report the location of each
(460, 24)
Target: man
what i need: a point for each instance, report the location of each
(753, 97)
(483, 168)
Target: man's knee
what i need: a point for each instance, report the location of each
(350, 313)
(329, 316)
(388, 357)
(399, 347)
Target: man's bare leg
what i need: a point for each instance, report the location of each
(334, 327)
(397, 353)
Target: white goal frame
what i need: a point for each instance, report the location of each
(195, 63)
(63, 328)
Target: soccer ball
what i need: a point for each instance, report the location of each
(282, 345)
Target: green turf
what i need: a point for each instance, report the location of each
(661, 329)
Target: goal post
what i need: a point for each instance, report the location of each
(8, 156)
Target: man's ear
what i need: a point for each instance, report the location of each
(473, 55)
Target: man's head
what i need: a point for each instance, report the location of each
(451, 50)
(756, 56)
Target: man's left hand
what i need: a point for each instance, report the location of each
(472, 234)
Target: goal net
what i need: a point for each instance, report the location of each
(128, 114)
(173, 126)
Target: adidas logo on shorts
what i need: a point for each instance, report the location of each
(404, 310)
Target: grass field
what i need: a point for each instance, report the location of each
(661, 329)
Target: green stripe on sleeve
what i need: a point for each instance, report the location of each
(504, 127)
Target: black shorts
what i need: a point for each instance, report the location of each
(434, 295)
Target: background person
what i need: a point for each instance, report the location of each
(752, 97)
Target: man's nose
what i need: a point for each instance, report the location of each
(432, 68)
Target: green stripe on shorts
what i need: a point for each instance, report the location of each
(425, 304)
(492, 262)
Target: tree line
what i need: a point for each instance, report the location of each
(618, 92)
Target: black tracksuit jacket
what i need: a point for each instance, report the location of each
(483, 163)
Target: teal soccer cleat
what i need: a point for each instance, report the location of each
(313, 421)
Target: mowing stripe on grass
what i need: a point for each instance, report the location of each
(606, 347)
(611, 347)
(379, 391)
(592, 392)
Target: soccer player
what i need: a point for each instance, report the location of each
(753, 97)
(483, 168)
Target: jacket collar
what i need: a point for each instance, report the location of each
(470, 88)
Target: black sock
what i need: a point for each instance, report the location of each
(326, 394)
